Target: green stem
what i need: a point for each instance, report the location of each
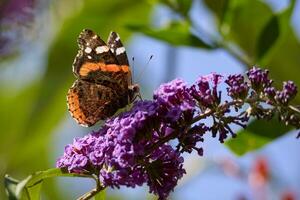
(89, 194)
(240, 57)
(92, 192)
(294, 109)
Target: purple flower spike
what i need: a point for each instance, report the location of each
(259, 78)
(132, 148)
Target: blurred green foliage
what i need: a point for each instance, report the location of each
(30, 187)
(247, 29)
(29, 117)
(179, 32)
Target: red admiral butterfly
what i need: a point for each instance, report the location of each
(104, 82)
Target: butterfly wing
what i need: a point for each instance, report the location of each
(95, 62)
(116, 47)
(103, 79)
(88, 102)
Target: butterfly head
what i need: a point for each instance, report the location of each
(134, 92)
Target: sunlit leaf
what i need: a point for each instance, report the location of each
(268, 37)
(184, 6)
(218, 7)
(179, 6)
(245, 22)
(177, 34)
(257, 134)
(35, 191)
(10, 187)
(30, 187)
(246, 142)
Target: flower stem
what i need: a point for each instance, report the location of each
(89, 194)
(92, 192)
(202, 116)
(294, 109)
(211, 111)
(237, 55)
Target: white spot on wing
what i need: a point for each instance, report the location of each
(95, 37)
(89, 57)
(120, 50)
(88, 50)
(117, 38)
(101, 49)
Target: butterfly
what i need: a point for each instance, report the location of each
(104, 81)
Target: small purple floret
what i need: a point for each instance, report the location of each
(237, 89)
(259, 78)
(205, 90)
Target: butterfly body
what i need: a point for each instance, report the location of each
(104, 82)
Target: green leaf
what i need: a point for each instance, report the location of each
(257, 134)
(35, 191)
(244, 22)
(219, 8)
(268, 37)
(10, 187)
(184, 6)
(180, 6)
(22, 192)
(30, 187)
(177, 34)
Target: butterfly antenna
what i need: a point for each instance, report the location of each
(144, 69)
(132, 60)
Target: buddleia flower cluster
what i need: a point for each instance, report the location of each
(134, 147)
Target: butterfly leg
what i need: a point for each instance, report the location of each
(137, 96)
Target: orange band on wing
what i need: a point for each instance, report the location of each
(74, 107)
(89, 67)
